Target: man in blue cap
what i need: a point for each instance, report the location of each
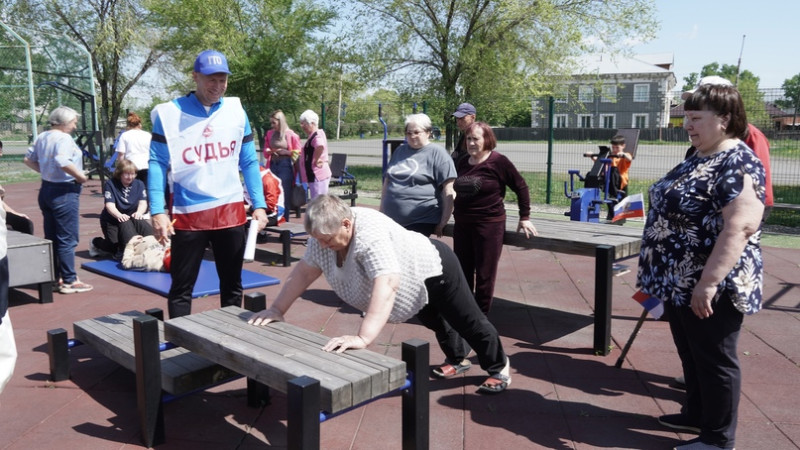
(203, 140)
(465, 116)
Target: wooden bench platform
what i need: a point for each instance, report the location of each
(286, 232)
(279, 352)
(181, 371)
(172, 357)
(291, 360)
(606, 243)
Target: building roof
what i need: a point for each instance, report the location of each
(604, 64)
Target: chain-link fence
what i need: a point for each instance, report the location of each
(39, 72)
(547, 137)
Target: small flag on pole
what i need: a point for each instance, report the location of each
(629, 207)
(653, 305)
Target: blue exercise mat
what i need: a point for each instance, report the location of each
(159, 282)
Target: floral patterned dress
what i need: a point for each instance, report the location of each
(684, 222)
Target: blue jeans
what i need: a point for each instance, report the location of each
(283, 168)
(59, 203)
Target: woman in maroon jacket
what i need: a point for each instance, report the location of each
(480, 216)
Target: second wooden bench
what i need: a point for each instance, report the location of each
(286, 232)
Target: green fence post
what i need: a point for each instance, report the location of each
(551, 102)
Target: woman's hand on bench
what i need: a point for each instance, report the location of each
(342, 343)
(265, 316)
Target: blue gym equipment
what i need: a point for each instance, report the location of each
(586, 203)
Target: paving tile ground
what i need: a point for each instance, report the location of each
(562, 395)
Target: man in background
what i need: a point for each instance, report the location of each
(465, 116)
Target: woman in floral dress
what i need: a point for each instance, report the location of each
(701, 255)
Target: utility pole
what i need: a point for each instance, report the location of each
(739, 65)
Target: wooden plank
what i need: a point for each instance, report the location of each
(256, 360)
(182, 371)
(571, 237)
(395, 368)
(308, 356)
(279, 352)
(368, 380)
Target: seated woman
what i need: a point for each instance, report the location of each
(123, 215)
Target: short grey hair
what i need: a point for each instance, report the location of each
(324, 214)
(309, 117)
(62, 116)
(420, 120)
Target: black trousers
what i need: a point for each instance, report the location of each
(117, 234)
(188, 248)
(707, 348)
(454, 316)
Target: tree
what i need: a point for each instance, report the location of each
(115, 33)
(791, 94)
(752, 98)
(270, 48)
(477, 50)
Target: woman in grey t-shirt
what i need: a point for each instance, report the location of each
(418, 187)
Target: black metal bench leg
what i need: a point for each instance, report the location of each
(416, 400)
(603, 273)
(45, 292)
(303, 398)
(58, 352)
(257, 393)
(286, 243)
(148, 380)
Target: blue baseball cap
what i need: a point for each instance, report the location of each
(464, 109)
(211, 62)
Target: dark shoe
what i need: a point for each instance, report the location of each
(495, 384)
(96, 248)
(450, 370)
(679, 422)
(679, 382)
(498, 382)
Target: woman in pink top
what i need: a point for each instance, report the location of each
(282, 147)
(314, 168)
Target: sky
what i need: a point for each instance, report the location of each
(699, 32)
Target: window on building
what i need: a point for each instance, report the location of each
(585, 120)
(641, 92)
(640, 120)
(609, 94)
(560, 120)
(608, 120)
(585, 94)
(561, 95)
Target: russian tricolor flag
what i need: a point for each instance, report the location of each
(628, 207)
(653, 305)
